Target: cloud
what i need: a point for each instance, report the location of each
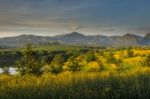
(93, 16)
(76, 27)
(141, 29)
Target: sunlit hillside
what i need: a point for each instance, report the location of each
(79, 74)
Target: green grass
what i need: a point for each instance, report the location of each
(57, 47)
(107, 79)
(45, 48)
(106, 85)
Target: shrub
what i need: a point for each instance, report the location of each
(57, 64)
(92, 66)
(90, 57)
(29, 62)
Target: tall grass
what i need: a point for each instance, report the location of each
(123, 76)
(104, 85)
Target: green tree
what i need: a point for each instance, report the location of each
(57, 64)
(47, 59)
(29, 63)
(74, 66)
(147, 60)
(111, 59)
(90, 56)
(130, 52)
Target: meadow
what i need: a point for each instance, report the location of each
(80, 74)
(105, 85)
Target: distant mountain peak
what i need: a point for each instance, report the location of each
(127, 39)
(129, 35)
(76, 34)
(73, 34)
(147, 35)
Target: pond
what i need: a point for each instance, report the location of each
(11, 70)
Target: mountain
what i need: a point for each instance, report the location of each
(147, 36)
(146, 39)
(72, 38)
(24, 39)
(128, 40)
(78, 38)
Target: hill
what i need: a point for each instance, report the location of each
(78, 38)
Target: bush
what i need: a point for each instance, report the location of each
(74, 66)
(92, 66)
(57, 64)
(29, 63)
(147, 60)
(90, 57)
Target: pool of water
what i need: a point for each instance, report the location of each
(11, 70)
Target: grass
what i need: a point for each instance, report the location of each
(107, 79)
(55, 47)
(52, 48)
(67, 85)
(45, 48)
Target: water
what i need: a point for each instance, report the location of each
(11, 70)
(1, 71)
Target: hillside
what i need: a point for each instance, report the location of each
(77, 38)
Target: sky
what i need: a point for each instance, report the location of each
(90, 17)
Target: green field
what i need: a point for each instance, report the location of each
(55, 47)
(105, 85)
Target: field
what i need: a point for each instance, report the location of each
(53, 47)
(96, 73)
(105, 85)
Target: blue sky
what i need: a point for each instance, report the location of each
(53, 17)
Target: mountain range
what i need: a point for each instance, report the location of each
(78, 38)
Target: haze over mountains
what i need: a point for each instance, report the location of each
(78, 38)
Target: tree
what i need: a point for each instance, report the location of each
(90, 57)
(47, 59)
(147, 60)
(73, 66)
(57, 64)
(111, 58)
(130, 52)
(29, 62)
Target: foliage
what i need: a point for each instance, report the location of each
(78, 74)
(105, 85)
(29, 62)
(57, 63)
(90, 56)
(147, 60)
(83, 60)
(74, 66)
